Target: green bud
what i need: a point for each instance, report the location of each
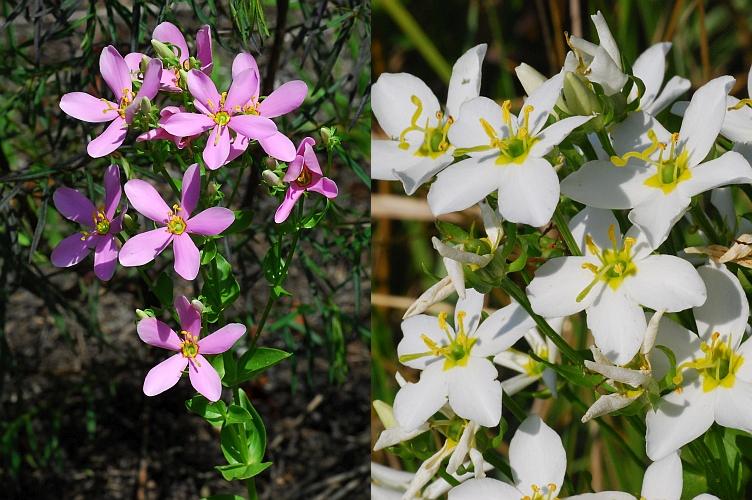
(165, 53)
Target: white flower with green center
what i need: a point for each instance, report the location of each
(538, 463)
(531, 370)
(454, 361)
(610, 281)
(409, 113)
(506, 153)
(656, 172)
(714, 369)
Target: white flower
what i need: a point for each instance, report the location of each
(538, 463)
(657, 172)
(417, 127)
(714, 373)
(454, 362)
(612, 279)
(529, 369)
(506, 154)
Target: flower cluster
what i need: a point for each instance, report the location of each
(584, 195)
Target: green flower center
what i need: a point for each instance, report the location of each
(456, 352)
(670, 171)
(435, 142)
(717, 368)
(189, 347)
(616, 263)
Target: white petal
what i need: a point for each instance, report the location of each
(680, 418)
(596, 223)
(543, 101)
(486, 488)
(682, 342)
(501, 330)
(462, 185)
(553, 291)
(601, 184)
(732, 408)
(467, 131)
(417, 174)
(529, 77)
(666, 282)
(471, 305)
(650, 67)
(552, 135)
(392, 105)
(726, 309)
(737, 124)
(415, 403)
(529, 192)
(703, 118)
(663, 479)
(413, 329)
(605, 38)
(536, 456)
(464, 83)
(474, 392)
(632, 133)
(657, 214)
(675, 87)
(730, 168)
(618, 325)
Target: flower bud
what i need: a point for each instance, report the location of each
(529, 77)
(165, 52)
(270, 178)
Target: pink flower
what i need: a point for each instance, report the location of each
(88, 108)
(281, 101)
(166, 374)
(160, 133)
(169, 33)
(100, 227)
(219, 113)
(178, 224)
(304, 174)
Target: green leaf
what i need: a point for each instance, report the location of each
(238, 415)
(214, 413)
(241, 471)
(163, 289)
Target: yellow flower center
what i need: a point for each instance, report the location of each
(435, 142)
(175, 223)
(670, 171)
(456, 352)
(717, 367)
(540, 494)
(189, 345)
(616, 263)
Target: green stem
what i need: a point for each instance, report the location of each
(563, 227)
(415, 33)
(515, 292)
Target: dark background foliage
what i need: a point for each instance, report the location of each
(73, 420)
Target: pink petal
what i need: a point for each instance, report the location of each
(190, 318)
(114, 71)
(203, 90)
(70, 251)
(240, 90)
(186, 257)
(112, 190)
(243, 62)
(169, 33)
(88, 108)
(152, 78)
(105, 257)
(204, 49)
(217, 148)
(324, 186)
(311, 160)
(109, 140)
(291, 196)
(187, 124)
(286, 98)
(74, 206)
(144, 198)
(158, 334)
(237, 147)
(143, 247)
(294, 168)
(204, 378)
(252, 126)
(211, 221)
(221, 340)
(278, 146)
(191, 189)
(165, 375)
(308, 141)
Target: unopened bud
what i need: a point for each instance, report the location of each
(529, 77)
(197, 305)
(270, 178)
(165, 52)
